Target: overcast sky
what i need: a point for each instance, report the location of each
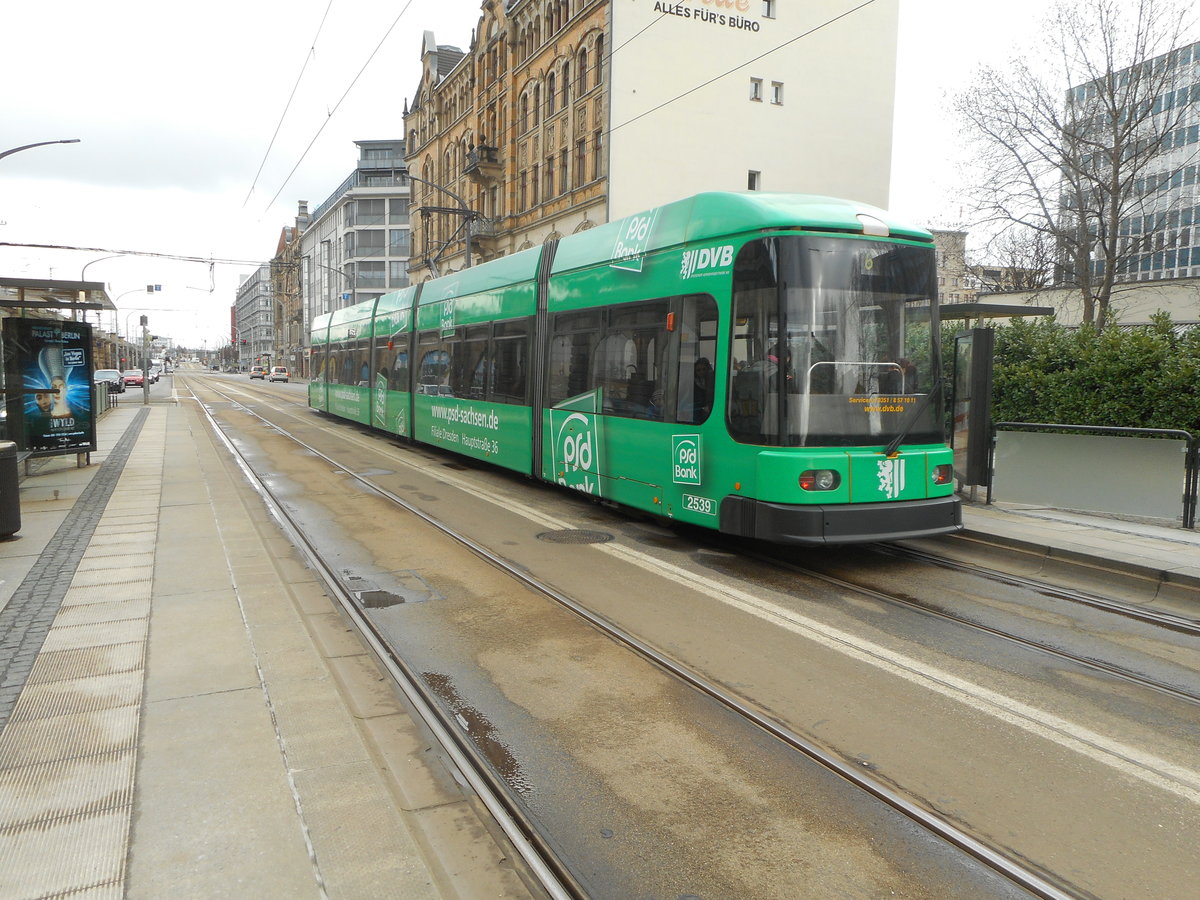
(176, 106)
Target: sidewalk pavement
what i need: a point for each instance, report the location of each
(1141, 562)
(183, 712)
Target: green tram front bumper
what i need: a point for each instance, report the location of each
(847, 523)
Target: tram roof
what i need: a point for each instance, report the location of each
(716, 215)
(493, 275)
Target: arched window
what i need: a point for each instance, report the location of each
(599, 60)
(581, 72)
(550, 89)
(537, 103)
(524, 112)
(566, 84)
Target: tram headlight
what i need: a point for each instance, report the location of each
(943, 474)
(819, 480)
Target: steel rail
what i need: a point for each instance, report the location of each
(1029, 644)
(1182, 624)
(1044, 886)
(552, 876)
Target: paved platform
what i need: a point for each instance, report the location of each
(184, 713)
(1138, 561)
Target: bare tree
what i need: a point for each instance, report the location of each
(1022, 260)
(1070, 150)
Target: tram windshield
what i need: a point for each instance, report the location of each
(834, 343)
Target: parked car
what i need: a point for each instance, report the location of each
(278, 373)
(133, 377)
(112, 377)
(258, 372)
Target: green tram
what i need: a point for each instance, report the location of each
(765, 365)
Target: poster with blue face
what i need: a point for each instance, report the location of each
(49, 369)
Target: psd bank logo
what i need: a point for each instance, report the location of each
(891, 477)
(577, 452)
(685, 458)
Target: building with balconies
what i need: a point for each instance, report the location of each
(254, 320)
(564, 114)
(355, 245)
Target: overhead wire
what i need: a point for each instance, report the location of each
(206, 260)
(346, 93)
(312, 50)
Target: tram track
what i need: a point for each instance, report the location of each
(1139, 612)
(551, 877)
(1127, 676)
(476, 770)
(1181, 625)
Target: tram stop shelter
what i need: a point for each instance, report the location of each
(44, 305)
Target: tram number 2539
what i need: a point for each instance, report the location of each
(701, 505)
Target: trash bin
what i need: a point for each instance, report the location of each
(10, 490)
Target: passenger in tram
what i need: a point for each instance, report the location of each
(774, 370)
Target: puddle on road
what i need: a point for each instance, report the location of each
(481, 731)
(389, 589)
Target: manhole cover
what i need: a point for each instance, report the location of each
(575, 536)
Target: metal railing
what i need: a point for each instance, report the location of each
(1191, 474)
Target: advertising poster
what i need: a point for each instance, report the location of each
(48, 365)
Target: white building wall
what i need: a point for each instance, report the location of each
(832, 134)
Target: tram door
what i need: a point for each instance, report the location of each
(971, 433)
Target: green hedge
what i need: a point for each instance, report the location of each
(1142, 377)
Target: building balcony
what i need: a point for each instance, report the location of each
(483, 236)
(483, 165)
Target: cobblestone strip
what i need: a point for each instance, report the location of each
(27, 618)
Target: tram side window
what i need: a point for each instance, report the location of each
(434, 375)
(642, 363)
(631, 360)
(696, 381)
(362, 362)
(754, 359)
(509, 361)
(468, 366)
(393, 363)
(398, 371)
(575, 336)
(333, 361)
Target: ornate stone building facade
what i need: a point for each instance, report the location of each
(285, 289)
(506, 141)
(564, 114)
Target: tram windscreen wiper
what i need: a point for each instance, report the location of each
(917, 412)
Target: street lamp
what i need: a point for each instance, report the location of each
(38, 144)
(82, 275)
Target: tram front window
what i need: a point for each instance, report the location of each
(834, 342)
